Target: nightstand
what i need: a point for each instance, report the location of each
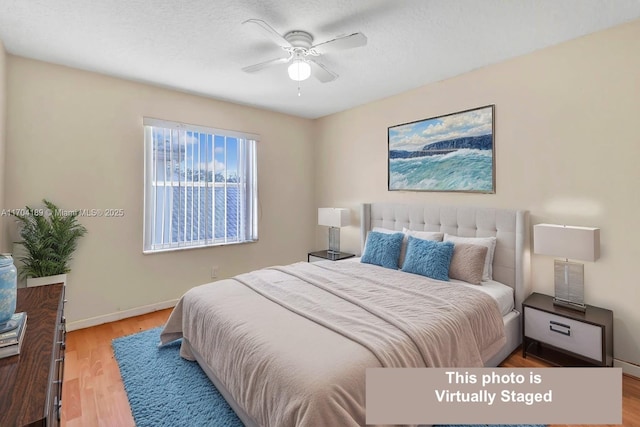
(325, 255)
(566, 337)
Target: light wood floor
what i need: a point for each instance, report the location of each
(93, 393)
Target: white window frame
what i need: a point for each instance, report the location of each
(247, 229)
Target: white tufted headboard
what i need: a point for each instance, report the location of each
(510, 227)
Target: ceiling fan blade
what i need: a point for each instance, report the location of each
(268, 31)
(265, 64)
(321, 72)
(340, 43)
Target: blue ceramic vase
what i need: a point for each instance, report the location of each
(8, 287)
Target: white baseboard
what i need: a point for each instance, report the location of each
(627, 367)
(112, 317)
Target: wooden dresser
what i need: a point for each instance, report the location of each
(32, 381)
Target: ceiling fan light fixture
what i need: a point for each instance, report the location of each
(299, 70)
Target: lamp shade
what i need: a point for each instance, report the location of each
(299, 70)
(582, 243)
(333, 217)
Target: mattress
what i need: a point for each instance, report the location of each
(500, 292)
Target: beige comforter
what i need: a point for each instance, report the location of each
(291, 344)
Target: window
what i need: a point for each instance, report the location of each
(200, 186)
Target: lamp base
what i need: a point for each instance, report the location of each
(570, 305)
(569, 285)
(334, 240)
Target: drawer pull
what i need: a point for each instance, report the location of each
(566, 331)
(58, 407)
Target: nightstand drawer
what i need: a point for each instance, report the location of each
(568, 334)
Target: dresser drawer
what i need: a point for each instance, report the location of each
(567, 334)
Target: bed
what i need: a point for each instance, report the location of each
(289, 345)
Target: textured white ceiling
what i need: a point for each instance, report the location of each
(199, 46)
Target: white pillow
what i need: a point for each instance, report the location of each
(384, 230)
(489, 242)
(424, 235)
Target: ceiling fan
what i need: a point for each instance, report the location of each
(302, 53)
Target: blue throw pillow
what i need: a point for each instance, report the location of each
(428, 258)
(383, 249)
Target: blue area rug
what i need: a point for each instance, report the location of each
(166, 390)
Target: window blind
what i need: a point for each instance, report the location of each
(200, 186)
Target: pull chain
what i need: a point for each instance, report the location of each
(298, 88)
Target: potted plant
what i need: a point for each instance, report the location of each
(49, 237)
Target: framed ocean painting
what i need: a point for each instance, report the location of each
(454, 152)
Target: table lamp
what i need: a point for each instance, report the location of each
(579, 243)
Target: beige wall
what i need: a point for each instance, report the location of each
(76, 138)
(567, 150)
(3, 132)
